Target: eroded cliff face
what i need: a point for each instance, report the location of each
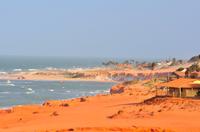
(136, 88)
(117, 89)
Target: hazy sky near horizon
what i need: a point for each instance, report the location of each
(100, 28)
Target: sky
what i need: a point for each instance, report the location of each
(100, 28)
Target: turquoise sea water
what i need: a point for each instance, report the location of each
(11, 63)
(34, 92)
(31, 92)
(17, 63)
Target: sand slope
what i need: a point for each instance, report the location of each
(117, 112)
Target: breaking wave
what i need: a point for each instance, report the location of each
(17, 70)
(30, 92)
(6, 92)
(51, 90)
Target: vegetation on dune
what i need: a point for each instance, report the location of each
(173, 62)
(74, 75)
(176, 62)
(198, 93)
(110, 63)
(194, 68)
(195, 58)
(130, 82)
(180, 69)
(153, 65)
(127, 64)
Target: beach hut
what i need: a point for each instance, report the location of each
(183, 87)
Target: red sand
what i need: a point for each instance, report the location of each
(135, 111)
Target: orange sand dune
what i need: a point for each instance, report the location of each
(80, 114)
(117, 112)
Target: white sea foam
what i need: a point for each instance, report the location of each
(17, 70)
(91, 92)
(106, 91)
(30, 89)
(3, 73)
(11, 84)
(32, 69)
(50, 68)
(8, 82)
(30, 92)
(51, 90)
(68, 91)
(99, 91)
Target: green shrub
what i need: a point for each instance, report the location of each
(194, 67)
(198, 93)
(180, 69)
(130, 82)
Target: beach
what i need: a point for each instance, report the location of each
(99, 66)
(92, 74)
(134, 109)
(131, 104)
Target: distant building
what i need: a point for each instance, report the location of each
(183, 87)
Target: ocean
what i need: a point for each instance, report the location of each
(36, 92)
(22, 92)
(12, 63)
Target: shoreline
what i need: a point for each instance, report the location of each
(127, 107)
(134, 109)
(93, 74)
(12, 81)
(61, 80)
